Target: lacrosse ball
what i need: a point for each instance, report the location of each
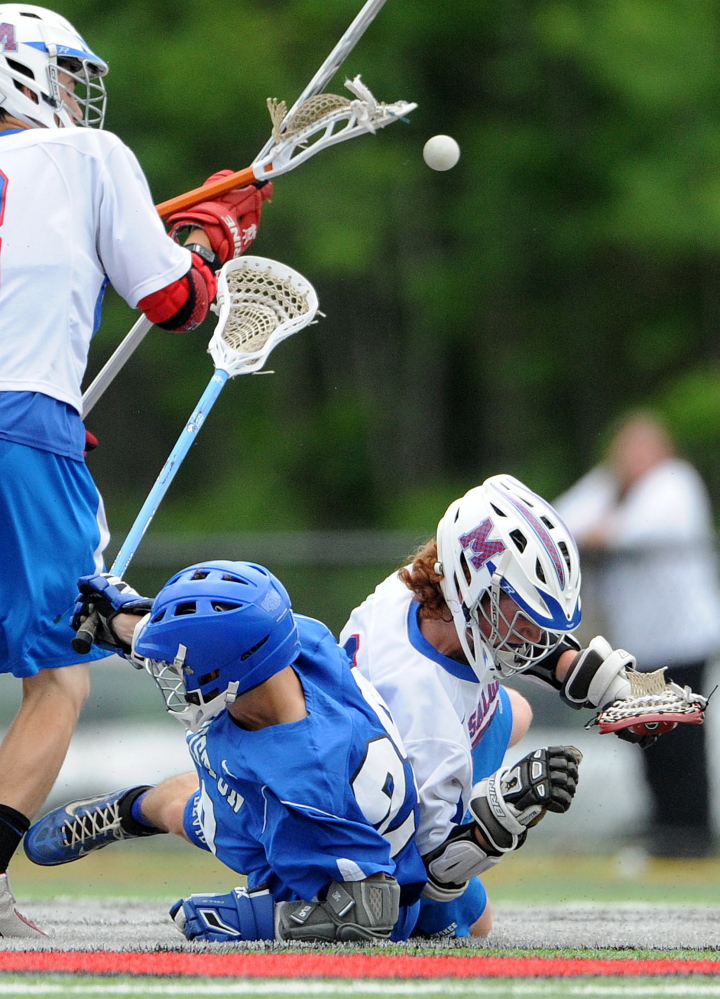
(441, 152)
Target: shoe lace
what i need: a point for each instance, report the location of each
(94, 824)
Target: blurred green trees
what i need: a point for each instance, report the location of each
(492, 318)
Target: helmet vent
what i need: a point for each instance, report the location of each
(218, 606)
(227, 578)
(565, 553)
(253, 650)
(548, 523)
(189, 607)
(159, 617)
(539, 571)
(19, 68)
(200, 574)
(519, 539)
(498, 511)
(209, 677)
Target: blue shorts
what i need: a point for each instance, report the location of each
(454, 919)
(52, 530)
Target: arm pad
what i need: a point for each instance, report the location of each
(543, 672)
(182, 305)
(451, 865)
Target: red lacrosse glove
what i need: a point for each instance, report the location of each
(230, 221)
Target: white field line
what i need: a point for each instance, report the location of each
(375, 988)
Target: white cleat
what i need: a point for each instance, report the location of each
(12, 922)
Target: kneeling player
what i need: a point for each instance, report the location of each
(304, 785)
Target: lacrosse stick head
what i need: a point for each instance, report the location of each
(259, 303)
(321, 121)
(216, 630)
(655, 706)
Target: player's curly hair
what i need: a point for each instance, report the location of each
(421, 578)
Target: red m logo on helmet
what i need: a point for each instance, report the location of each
(7, 37)
(482, 549)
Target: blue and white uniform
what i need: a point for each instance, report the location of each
(455, 727)
(75, 213)
(329, 797)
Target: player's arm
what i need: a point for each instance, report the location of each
(214, 231)
(503, 806)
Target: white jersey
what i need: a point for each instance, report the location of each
(439, 706)
(75, 212)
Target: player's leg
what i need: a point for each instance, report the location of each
(36, 743)
(466, 916)
(51, 530)
(73, 830)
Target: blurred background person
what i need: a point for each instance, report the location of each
(644, 514)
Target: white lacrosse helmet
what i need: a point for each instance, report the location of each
(501, 538)
(36, 45)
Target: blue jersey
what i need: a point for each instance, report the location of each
(329, 797)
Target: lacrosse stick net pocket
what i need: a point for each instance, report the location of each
(653, 701)
(260, 302)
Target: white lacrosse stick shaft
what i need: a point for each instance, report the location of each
(279, 302)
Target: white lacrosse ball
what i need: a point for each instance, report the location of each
(441, 152)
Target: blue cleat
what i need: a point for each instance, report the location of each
(76, 829)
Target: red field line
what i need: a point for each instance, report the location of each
(339, 965)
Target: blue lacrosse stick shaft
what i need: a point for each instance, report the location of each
(168, 472)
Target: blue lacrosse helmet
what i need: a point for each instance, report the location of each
(221, 628)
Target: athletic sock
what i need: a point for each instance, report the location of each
(13, 826)
(131, 817)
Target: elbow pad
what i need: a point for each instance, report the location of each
(182, 305)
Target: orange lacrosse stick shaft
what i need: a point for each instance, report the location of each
(239, 179)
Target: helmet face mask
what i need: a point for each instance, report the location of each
(49, 77)
(510, 576)
(216, 630)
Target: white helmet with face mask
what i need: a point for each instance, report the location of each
(499, 539)
(37, 46)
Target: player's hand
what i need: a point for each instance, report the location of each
(509, 802)
(597, 676)
(230, 221)
(108, 596)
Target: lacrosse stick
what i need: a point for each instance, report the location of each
(281, 132)
(260, 302)
(655, 706)
(319, 122)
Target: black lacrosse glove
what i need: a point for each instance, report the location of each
(107, 596)
(509, 802)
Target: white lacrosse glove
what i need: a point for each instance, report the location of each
(598, 675)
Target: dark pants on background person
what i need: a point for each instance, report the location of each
(676, 771)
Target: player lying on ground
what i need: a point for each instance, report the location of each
(304, 785)
(76, 214)
(495, 595)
